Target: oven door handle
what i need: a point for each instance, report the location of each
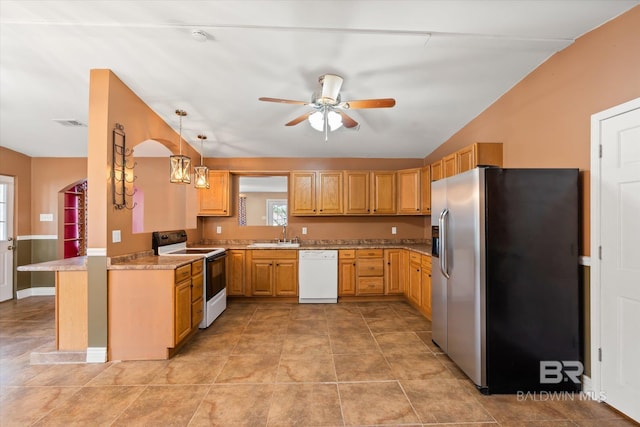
(217, 257)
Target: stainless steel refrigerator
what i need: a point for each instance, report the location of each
(505, 287)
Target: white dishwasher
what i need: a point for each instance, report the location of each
(318, 276)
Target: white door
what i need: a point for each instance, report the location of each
(618, 233)
(6, 237)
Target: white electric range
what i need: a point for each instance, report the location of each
(174, 243)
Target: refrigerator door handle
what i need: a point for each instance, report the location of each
(444, 261)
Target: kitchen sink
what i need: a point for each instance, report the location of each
(274, 245)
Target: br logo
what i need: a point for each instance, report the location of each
(555, 371)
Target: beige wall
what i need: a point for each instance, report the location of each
(50, 176)
(544, 121)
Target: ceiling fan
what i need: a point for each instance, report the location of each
(328, 109)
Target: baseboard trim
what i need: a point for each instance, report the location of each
(96, 354)
(36, 292)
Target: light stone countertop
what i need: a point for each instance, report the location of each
(148, 261)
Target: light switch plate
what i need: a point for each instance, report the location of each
(116, 236)
(219, 229)
(46, 217)
(304, 230)
(394, 230)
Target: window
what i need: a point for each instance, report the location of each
(276, 211)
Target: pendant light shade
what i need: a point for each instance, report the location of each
(180, 166)
(201, 173)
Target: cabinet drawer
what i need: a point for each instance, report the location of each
(370, 253)
(274, 254)
(346, 253)
(426, 262)
(183, 273)
(370, 267)
(197, 267)
(197, 287)
(415, 257)
(370, 285)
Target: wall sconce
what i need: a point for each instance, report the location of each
(121, 172)
(180, 166)
(201, 173)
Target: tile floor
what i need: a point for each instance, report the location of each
(267, 364)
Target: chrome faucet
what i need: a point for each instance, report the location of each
(284, 234)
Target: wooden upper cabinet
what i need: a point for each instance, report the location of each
(383, 193)
(479, 154)
(436, 171)
(425, 190)
(329, 192)
(357, 192)
(214, 200)
(449, 165)
(302, 192)
(409, 182)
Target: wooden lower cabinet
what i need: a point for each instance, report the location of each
(71, 310)
(273, 272)
(235, 273)
(346, 272)
(393, 283)
(152, 312)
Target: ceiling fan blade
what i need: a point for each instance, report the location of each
(347, 121)
(283, 101)
(368, 103)
(299, 119)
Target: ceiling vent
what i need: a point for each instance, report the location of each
(71, 123)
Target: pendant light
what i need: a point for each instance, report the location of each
(180, 165)
(201, 173)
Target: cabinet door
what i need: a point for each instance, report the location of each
(302, 193)
(449, 165)
(357, 192)
(215, 200)
(235, 273)
(436, 171)
(347, 277)
(425, 304)
(197, 312)
(383, 197)
(262, 277)
(392, 275)
(425, 190)
(466, 159)
(409, 181)
(415, 279)
(329, 190)
(182, 310)
(286, 277)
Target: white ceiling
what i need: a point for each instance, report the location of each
(443, 61)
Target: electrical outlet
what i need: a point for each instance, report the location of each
(394, 230)
(116, 236)
(304, 230)
(219, 229)
(46, 217)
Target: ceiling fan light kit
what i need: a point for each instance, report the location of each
(325, 118)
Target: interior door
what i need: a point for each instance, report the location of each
(6, 237)
(620, 264)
